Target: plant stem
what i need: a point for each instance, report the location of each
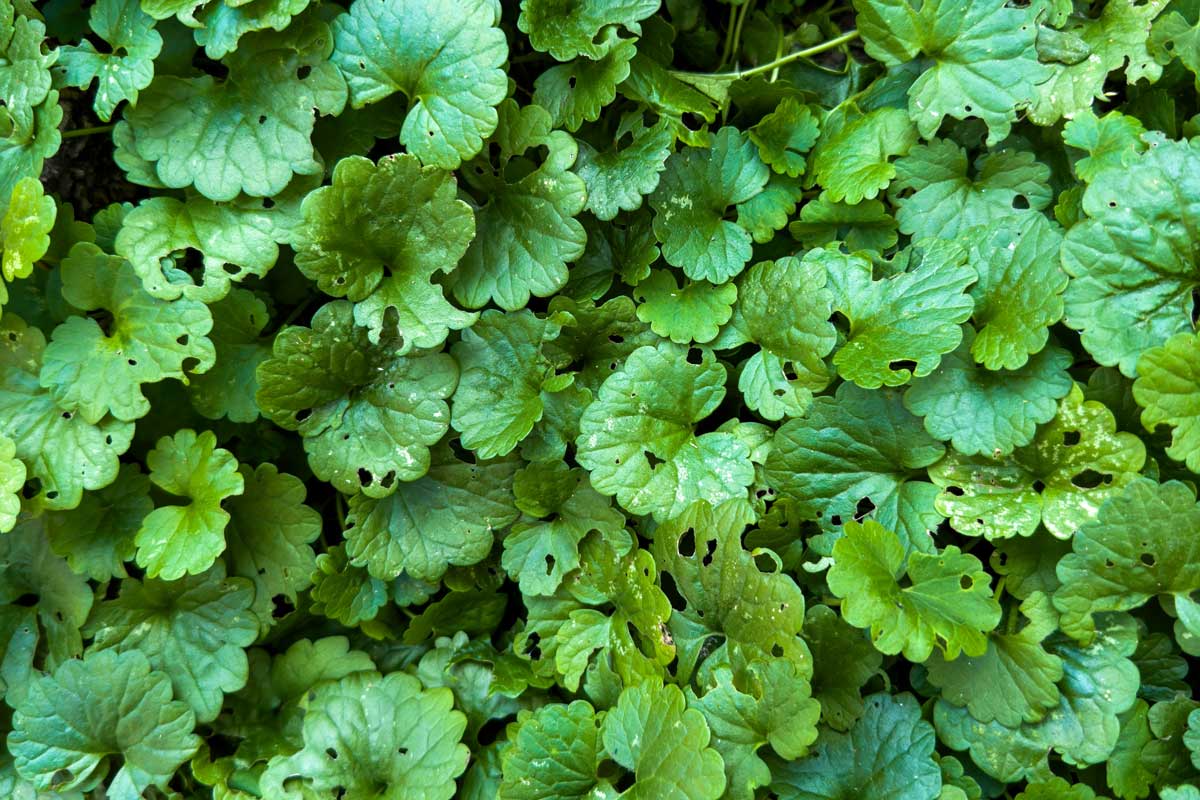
(87, 131)
(747, 7)
(848, 36)
(727, 50)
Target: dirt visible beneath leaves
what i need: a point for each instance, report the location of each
(83, 172)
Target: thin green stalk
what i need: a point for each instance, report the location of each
(73, 134)
(727, 50)
(808, 52)
(747, 7)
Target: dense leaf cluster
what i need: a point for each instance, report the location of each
(696, 399)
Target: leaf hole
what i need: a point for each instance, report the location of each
(667, 584)
(956, 491)
(1090, 479)
(965, 582)
(711, 547)
(902, 363)
(776, 650)
(365, 478)
(262, 119)
(1020, 202)
(303, 72)
(1071, 438)
(303, 414)
(1148, 559)
(329, 751)
(1039, 487)
(281, 606)
(687, 543)
(695, 355)
(653, 459)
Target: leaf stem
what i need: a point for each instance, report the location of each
(747, 7)
(727, 49)
(848, 36)
(77, 132)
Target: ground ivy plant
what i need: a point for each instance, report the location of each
(642, 399)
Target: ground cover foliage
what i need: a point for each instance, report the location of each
(416, 399)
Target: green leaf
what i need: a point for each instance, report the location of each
(587, 628)
(97, 537)
(372, 736)
(72, 722)
(785, 307)
(32, 577)
(1060, 479)
(193, 629)
(269, 535)
(222, 25)
(855, 162)
(1019, 292)
(948, 198)
(59, 448)
(25, 78)
(638, 440)
(26, 141)
(447, 517)
(505, 375)
(227, 389)
(378, 236)
(555, 755)
(24, 231)
(1099, 683)
(1014, 679)
(448, 67)
(982, 58)
(185, 540)
(97, 370)
(368, 416)
(618, 178)
(128, 66)
(863, 226)
(887, 755)
(12, 480)
(1056, 789)
(526, 231)
(695, 195)
(1116, 37)
(540, 552)
(853, 446)
(236, 242)
(899, 326)
(693, 313)
(1129, 553)
(1168, 389)
(733, 611)
(567, 30)
(784, 136)
(844, 660)
(1132, 273)
(264, 112)
(650, 733)
(1110, 141)
(947, 599)
(577, 92)
(346, 593)
(774, 709)
(984, 412)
